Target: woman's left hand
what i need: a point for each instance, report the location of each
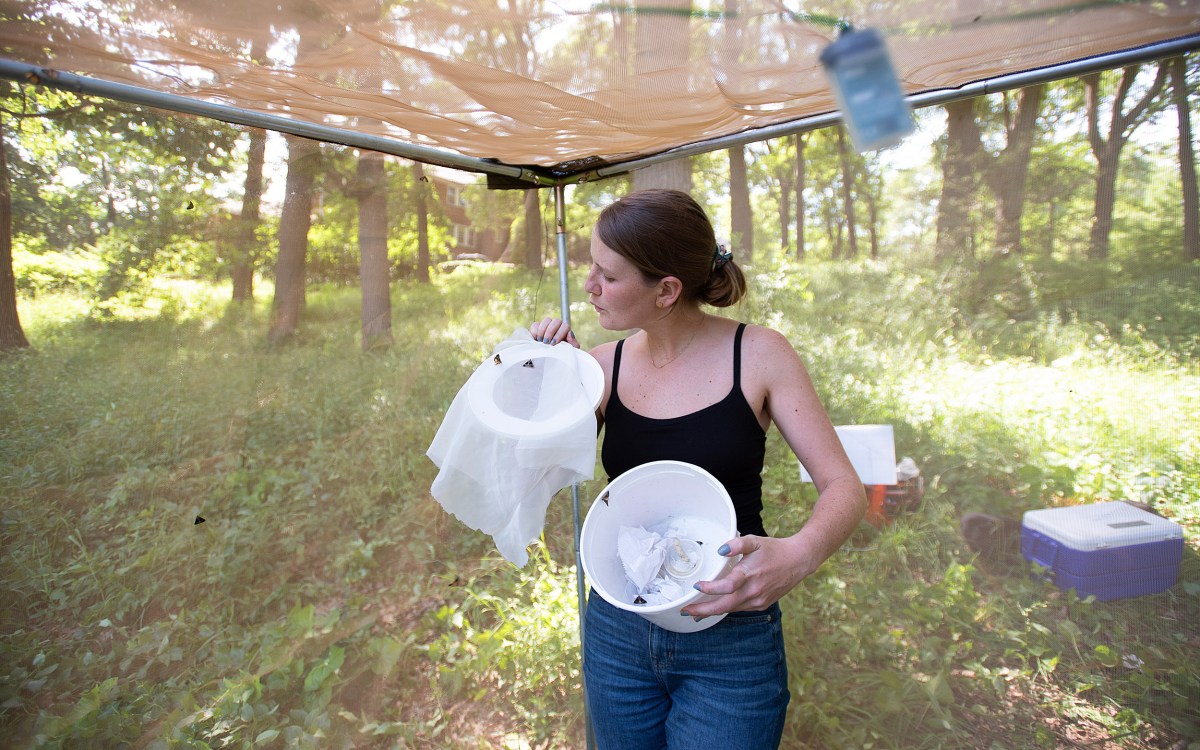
(552, 331)
(768, 570)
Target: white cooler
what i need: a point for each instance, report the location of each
(1108, 550)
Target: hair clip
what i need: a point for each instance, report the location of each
(721, 256)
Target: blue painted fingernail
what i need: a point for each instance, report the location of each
(723, 550)
(684, 613)
(697, 587)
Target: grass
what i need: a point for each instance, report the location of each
(327, 601)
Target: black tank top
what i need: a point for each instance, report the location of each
(724, 439)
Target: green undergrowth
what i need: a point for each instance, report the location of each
(327, 601)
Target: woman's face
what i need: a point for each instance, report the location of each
(622, 296)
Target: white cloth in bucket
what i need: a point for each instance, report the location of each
(500, 464)
(643, 554)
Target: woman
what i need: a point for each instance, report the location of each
(696, 387)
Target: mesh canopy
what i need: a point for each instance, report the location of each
(563, 85)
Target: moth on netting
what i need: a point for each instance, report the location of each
(604, 497)
(528, 363)
(639, 600)
(496, 360)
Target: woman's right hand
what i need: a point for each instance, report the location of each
(553, 330)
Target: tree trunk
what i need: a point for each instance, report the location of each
(373, 272)
(873, 220)
(800, 178)
(675, 175)
(1105, 201)
(960, 183)
(533, 230)
(110, 204)
(294, 221)
(848, 192)
(1008, 175)
(782, 173)
(241, 270)
(1187, 161)
(741, 219)
(419, 182)
(1108, 150)
(661, 48)
(834, 228)
(1051, 226)
(12, 336)
(785, 209)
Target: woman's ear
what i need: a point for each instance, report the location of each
(670, 289)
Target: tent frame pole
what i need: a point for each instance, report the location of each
(998, 84)
(538, 176)
(41, 76)
(564, 295)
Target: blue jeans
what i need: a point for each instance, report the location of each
(723, 687)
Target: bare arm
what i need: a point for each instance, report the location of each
(771, 567)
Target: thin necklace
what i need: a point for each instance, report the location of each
(678, 354)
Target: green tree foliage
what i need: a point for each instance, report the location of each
(502, 215)
(144, 194)
(133, 183)
(836, 181)
(1058, 200)
(778, 173)
(333, 238)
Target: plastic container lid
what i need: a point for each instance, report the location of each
(1101, 526)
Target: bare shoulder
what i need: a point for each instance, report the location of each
(767, 350)
(773, 377)
(604, 354)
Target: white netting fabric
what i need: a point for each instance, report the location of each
(522, 428)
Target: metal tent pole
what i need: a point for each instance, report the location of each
(1070, 69)
(142, 95)
(547, 176)
(560, 223)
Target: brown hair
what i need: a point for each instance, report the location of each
(667, 233)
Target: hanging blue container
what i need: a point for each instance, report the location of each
(867, 90)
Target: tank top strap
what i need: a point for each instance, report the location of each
(737, 358)
(616, 368)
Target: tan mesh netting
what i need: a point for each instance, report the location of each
(554, 83)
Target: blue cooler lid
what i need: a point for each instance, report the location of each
(1101, 525)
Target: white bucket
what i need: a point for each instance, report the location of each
(654, 495)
